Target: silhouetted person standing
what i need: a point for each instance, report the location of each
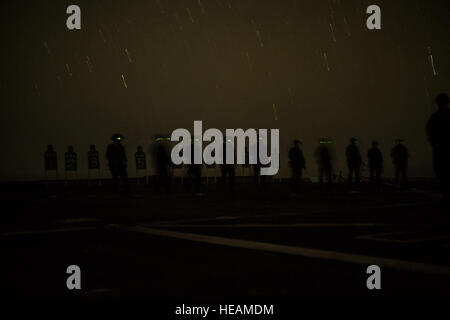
(163, 163)
(324, 160)
(400, 157)
(258, 178)
(228, 170)
(195, 172)
(115, 153)
(353, 160)
(375, 158)
(438, 131)
(297, 163)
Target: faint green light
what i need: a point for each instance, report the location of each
(162, 139)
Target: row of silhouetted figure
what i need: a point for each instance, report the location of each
(325, 158)
(438, 132)
(437, 129)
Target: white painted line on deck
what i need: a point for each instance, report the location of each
(390, 237)
(298, 251)
(396, 205)
(78, 220)
(384, 237)
(429, 193)
(281, 225)
(218, 218)
(20, 233)
(292, 214)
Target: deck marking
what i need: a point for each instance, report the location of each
(299, 251)
(385, 237)
(19, 233)
(292, 214)
(285, 225)
(78, 220)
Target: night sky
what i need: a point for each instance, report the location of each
(310, 68)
